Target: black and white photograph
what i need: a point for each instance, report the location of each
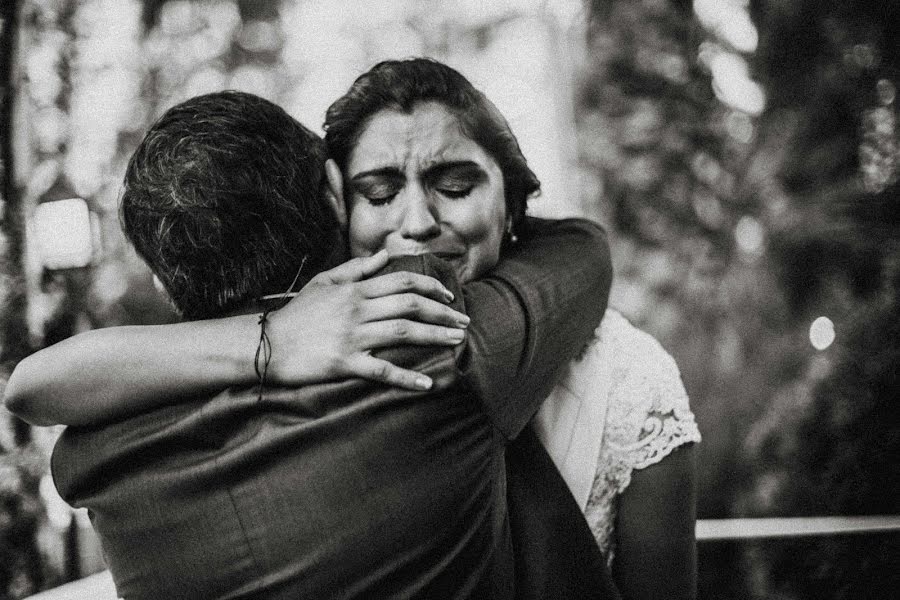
(449, 299)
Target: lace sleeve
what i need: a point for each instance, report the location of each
(648, 417)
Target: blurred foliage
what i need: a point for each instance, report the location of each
(21, 510)
(736, 229)
(838, 70)
(836, 456)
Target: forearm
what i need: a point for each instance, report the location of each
(108, 373)
(325, 333)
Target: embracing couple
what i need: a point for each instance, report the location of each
(450, 413)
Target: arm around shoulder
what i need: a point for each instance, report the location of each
(106, 374)
(533, 314)
(112, 373)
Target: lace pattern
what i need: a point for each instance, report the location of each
(648, 417)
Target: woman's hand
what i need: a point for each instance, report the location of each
(329, 329)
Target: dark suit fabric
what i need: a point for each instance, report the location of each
(350, 489)
(556, 556)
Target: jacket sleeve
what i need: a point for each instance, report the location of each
(530, 316)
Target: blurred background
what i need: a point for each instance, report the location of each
(743, 154)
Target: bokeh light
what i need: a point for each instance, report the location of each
(63, 233)
(733, 86)
(821, 333)
(729, 21)
(749, 236)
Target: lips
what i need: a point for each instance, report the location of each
(445, 254)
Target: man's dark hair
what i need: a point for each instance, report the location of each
(223, 199)
(401, 85)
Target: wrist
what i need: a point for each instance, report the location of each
(268, 346)
(231, 345)
(263, 356)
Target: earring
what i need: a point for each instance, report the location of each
(512, 237)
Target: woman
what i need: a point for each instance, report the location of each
(639, 501)
(429, 165)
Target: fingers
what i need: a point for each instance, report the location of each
(412, 306)
(402, 282)
(356, 269)
(396, 332)
(376, 369)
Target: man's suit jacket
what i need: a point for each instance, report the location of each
(348, 489)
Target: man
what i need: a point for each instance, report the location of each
(346, 489)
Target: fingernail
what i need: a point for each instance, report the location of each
(449, 295)
(423, 382)
(456, 334)
(463, 320)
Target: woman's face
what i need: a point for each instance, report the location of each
(416, 184)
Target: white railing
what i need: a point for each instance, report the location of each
(100, 586)
(752, 529)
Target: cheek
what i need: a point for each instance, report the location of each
(484, 213)
(481, 225)
(475, 221)
(367, 230)
(496, 218)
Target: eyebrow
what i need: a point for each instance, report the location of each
(381, 172)
(432, 172)
(468, 168)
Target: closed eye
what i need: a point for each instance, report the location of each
(378, 190)
(381, 197)
(456, 192)
(456, 180)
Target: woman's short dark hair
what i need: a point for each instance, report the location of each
(223, 200)
(401, 85)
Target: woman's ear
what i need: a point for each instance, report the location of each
(334, 191)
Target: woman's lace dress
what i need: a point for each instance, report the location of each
(647, 415)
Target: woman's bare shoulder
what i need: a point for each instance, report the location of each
(630, 346)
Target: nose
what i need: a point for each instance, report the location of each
(420, 217)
